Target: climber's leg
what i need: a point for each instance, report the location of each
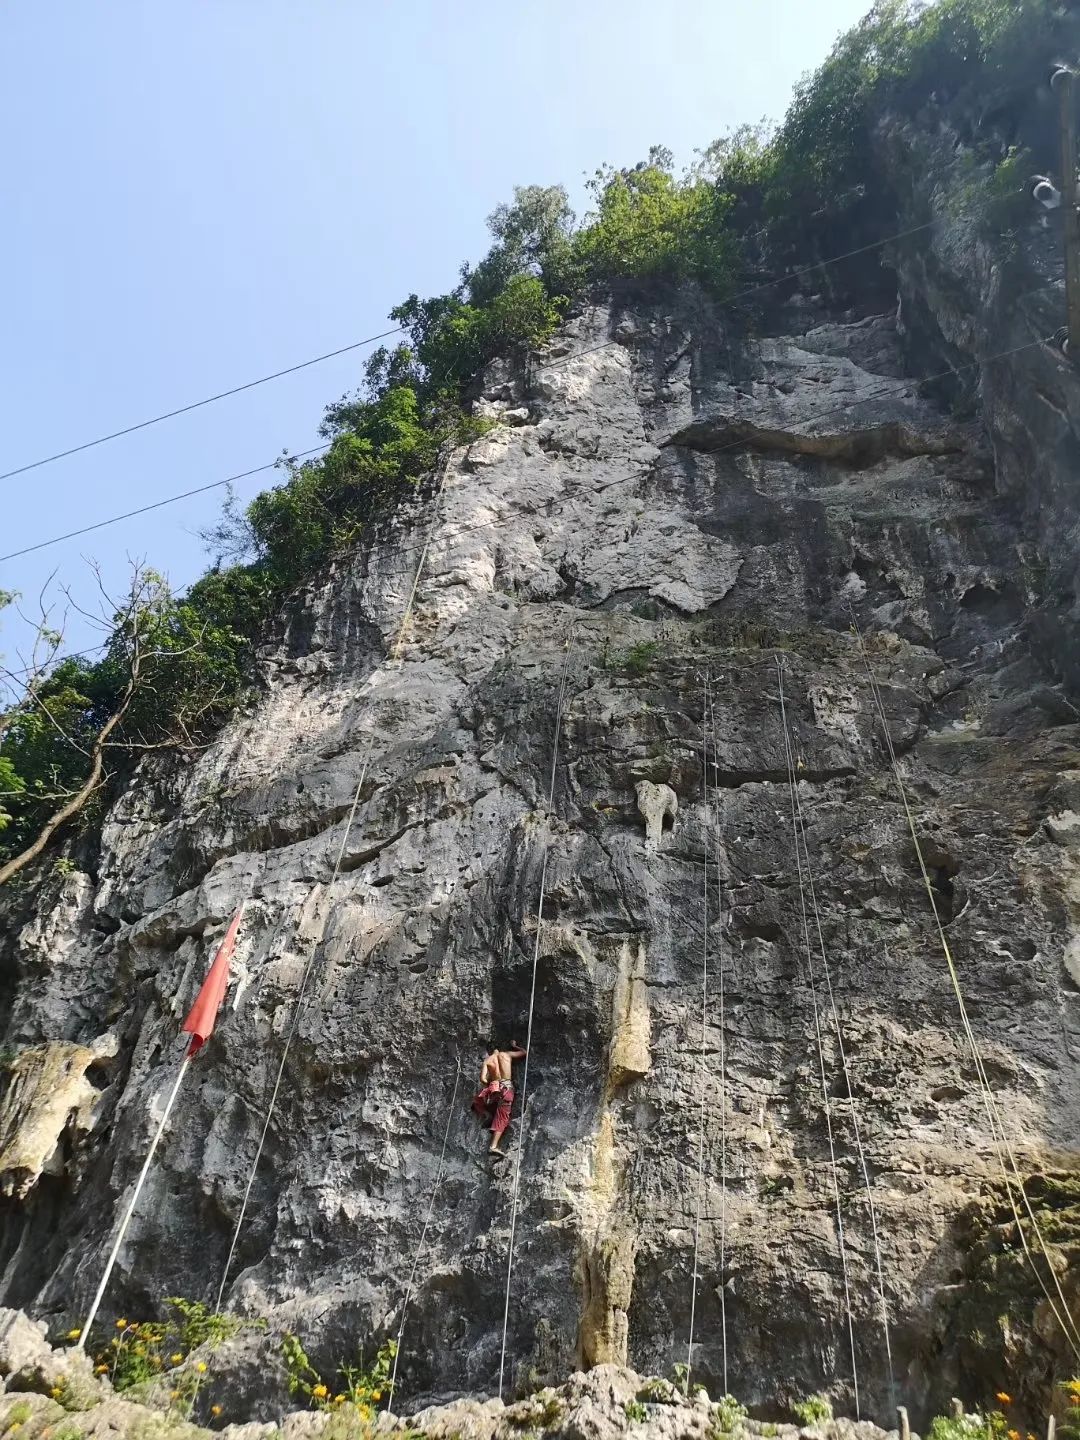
(500, 1120)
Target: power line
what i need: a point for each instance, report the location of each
(398, 329)
(157, 504)
(901, 382)
(196, 405)
(883, 392)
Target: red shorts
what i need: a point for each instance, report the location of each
(496, 1100)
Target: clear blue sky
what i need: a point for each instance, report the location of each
(198, 192)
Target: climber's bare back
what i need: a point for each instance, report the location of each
(496, 1066)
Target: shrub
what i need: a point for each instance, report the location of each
(814, 1410)
(729, 1416)
(360, 1390)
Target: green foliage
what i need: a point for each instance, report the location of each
(976, 1426)
(636, 1411)
(1069, 1428)
(635, 661)
(649, 225)
(814, 1410)
(152, 1358)
(658, 1392)
(18, 1415)
(540, 1412)
(810, 185)
(360, 1390)
(981, 57)
(728, 1417)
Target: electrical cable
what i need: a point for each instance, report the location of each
(195, 405)
(399, 329)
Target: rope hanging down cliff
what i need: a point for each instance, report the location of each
(817, 1034)
(721, 997)
(860, 1149)
(708, 719)
(423, 1236)
(560, 704)
(301, 997)
(998, 1134)
(704, 1028)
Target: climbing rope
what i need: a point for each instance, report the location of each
(423, 1237)
(717, 870)
(301, 998)
(852, 1107)
(792, 783)
(998, 1133)
(704, 1022)
(560, 703)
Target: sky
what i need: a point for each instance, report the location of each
(200, 193)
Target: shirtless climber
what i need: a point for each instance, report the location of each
(495, 1098)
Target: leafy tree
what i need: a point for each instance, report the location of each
(647, 224)
(168, 679)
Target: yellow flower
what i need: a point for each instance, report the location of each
(101, 1369)
(155, 1360)
(134, 1325)
(215, 1409)
(56, 1392)
(376, 1395)
(1073, 1385)
(320, 1392)
(175, 1358)
(121, 1324)
(201, 1367)
(74, 1334)
(1013, 1434)
(1003, 1398)
(174, 1394)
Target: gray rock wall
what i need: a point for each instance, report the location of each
(678, 508)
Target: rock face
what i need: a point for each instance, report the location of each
(674, 521)
(608, 1403)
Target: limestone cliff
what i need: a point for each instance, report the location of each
(667, 499)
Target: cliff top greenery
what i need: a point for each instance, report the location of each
(753, 202)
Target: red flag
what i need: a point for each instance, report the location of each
(200, 1021)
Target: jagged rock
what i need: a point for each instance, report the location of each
(47, 1096)
(657, 803)
(703, 500)
(604, 1404)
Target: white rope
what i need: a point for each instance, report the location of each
(298, 1008)
(423, 1236)
(723, 1051)
(130, 1211)
(852, 1107)
(704, 1024)
(532, 1002)
(998, 1134)
(820, 1045)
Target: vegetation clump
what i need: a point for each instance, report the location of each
(355, 1390)
(176, 667)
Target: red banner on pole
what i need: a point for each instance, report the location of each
(200, 1021)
